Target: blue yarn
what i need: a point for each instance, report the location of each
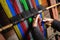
(11, 7)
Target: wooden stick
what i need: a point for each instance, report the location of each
(6, 27)
(52, 6)
(49, 7)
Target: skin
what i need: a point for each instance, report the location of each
(35, 22)
(47, 21)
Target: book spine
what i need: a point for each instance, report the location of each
(34, 4)
(6, 9)
(25, 4)
(15, 6)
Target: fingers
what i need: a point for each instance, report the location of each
(47, 19)
(38, 17)
(35, 21)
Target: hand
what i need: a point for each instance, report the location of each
(35, 21)
(48, 21)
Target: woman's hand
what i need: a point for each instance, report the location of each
(35, 20)
(48, 21)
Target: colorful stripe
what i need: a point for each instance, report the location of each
(8, 13)
(15, 6)
(19, 6)
(14, 14)
(24, 4)
(23, 23)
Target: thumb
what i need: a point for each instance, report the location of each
(37, 18)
